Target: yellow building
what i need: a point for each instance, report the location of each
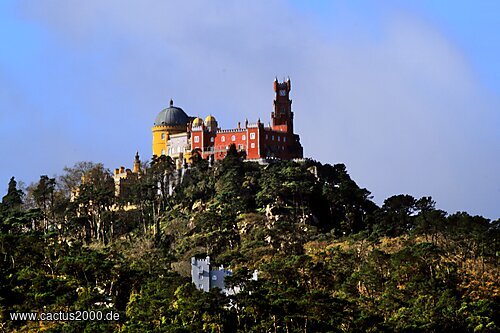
(171, 120)
(170, 134)
(123, 177)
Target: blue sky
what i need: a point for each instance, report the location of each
(405, 93)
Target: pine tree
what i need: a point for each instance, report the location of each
(14, 197)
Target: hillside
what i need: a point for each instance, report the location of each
(329, 259)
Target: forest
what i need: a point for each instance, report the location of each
(329, 259)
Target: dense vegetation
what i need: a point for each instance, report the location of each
(329, 259)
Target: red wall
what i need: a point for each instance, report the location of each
(265, 143)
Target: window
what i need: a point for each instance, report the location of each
(196, 139)
(279, 138)
(200, 286)
(267, 136)
(282, 147)
(272, 137)
(252, 136)
(240, 147)
(212, 139)
(252, 145)
(223, 139)
(163, 136)
(243, 137)
(284, 139)
(214, 277)
(233, 138)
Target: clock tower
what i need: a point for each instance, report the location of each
(282, 116)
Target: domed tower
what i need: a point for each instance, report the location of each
(211, 123)
(197, 122)
(171, 120)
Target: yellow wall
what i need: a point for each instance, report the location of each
(158, 143)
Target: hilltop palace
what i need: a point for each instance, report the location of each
(177, 135)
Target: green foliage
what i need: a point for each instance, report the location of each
(14, 197)
(328, 258)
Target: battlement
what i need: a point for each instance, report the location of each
(205, 278)
(233, 130)
(253, 125)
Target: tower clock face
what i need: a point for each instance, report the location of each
(282, 92)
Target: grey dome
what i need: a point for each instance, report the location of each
(172, 116)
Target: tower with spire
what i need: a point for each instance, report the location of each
(124, 177)
(137, 163)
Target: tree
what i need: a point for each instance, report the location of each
(95, 199)
(43, 195)
(287, 189)
(397, 215)
(348, 206)
(14, 197)
(72, 176)
(162, 174)
(197, 182)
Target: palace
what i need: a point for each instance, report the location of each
(176, 134)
